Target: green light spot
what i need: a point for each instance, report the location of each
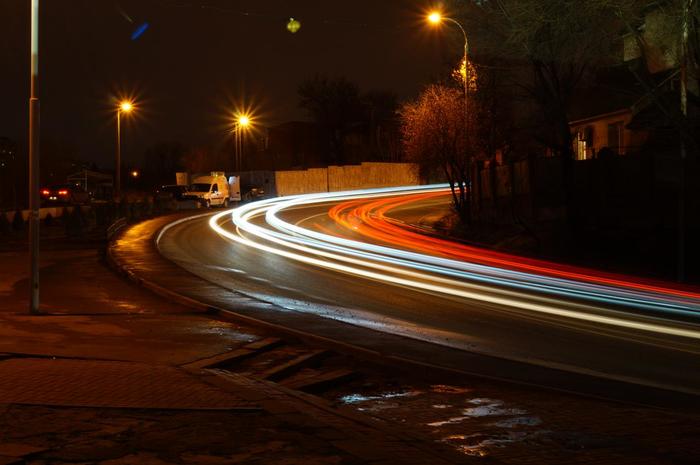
(293, 25)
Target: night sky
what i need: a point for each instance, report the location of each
(197, 61)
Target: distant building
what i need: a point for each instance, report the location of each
(99, 185)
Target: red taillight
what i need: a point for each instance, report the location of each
(63, 192)
(45, 192)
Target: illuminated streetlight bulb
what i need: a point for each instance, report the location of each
(126, 107)
(243, 121)
(435, 17)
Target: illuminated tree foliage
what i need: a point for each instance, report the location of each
(460, 74)
(435, 135)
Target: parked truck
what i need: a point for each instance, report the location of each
(214, 190)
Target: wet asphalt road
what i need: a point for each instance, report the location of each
(579, 347)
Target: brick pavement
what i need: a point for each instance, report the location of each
(105, 386)
(359, 435)
(93, 383)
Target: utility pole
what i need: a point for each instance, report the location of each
(34, 162)
(118, 162)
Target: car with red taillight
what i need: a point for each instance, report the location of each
(64, 194)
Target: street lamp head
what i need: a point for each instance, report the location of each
(126, 107)
(244, 121)
(435, 17)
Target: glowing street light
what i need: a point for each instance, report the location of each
(125, 106)
(435, 17)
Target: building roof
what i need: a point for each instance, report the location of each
(613, 89)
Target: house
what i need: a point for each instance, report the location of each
(601, 124)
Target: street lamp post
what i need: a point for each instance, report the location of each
(124, 107)
(236, 134)
(34, 162)
(437, 18)
(241, 124)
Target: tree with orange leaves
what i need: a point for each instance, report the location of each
(436, 134)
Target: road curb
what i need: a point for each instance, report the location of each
(232, 315)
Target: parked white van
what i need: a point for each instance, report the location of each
(214, 190)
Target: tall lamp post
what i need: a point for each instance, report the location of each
(124, 107)
(34, 162)
(437, 18)
(242, 123)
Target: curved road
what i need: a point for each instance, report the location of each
(361, 265)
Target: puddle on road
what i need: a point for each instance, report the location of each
(481, 445)
(377, 403)
(445, 389)
(454, 415)
(518, 421)
(356, 398)
(223, 329)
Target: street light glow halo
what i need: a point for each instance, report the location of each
(126, 106)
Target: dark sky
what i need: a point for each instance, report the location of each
(197, 61)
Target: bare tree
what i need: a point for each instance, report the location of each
(379, 108)
(436, 136)
(335, 105)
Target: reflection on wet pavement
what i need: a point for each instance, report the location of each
(356, 398)
(475, 426)
(479, 444)
(224, 329)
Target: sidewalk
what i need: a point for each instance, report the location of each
(100, 379)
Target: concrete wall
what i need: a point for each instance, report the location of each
(342, 178)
